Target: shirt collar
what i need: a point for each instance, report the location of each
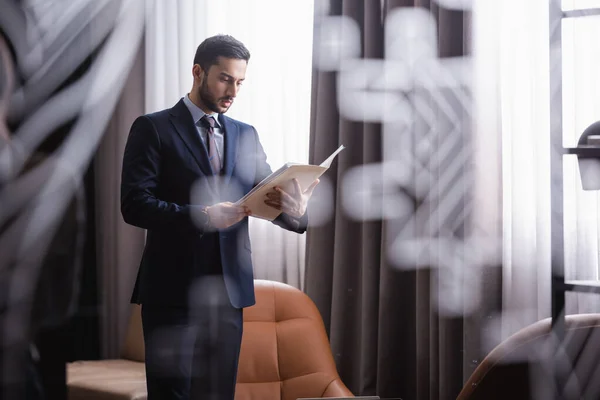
(197, 112)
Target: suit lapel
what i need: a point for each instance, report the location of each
(182, 121)
(231, 145)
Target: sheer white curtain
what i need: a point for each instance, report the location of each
(275, 97)
(514, 110)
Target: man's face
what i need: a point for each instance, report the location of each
(220, 84)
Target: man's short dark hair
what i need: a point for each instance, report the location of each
(220, 46)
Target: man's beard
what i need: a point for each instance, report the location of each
(209, 100)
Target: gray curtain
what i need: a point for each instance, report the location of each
(119, 246)
(387, 333)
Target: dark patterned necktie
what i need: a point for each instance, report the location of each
(213, 154)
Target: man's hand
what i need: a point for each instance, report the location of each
(293, 204)
(223, 215)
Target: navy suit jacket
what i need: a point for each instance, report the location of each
(166, 178)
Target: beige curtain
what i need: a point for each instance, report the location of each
(119, 246)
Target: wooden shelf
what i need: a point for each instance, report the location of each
(582, 286)
(582, 12)
(584, 151)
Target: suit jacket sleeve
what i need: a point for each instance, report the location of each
(139, 182)
(262, 171)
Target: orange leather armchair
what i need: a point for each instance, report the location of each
(519, 367)
(285, 355)
(285, 351)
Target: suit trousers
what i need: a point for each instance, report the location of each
(193, 352)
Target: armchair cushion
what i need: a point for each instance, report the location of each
(285, 355)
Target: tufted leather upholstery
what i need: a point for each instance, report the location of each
(285, 351)
(285, 355)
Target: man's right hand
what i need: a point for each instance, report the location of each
(224, 215)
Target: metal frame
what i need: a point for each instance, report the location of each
(559, 286)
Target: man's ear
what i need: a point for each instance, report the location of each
(198, 73)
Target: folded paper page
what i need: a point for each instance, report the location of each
(283, 177)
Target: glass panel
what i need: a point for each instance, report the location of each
(579, 4)
(581, 107)
(581, 80)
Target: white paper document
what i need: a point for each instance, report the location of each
(283, 177)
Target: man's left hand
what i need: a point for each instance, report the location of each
(293, 204)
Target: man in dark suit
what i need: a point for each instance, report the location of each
(182, 170)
